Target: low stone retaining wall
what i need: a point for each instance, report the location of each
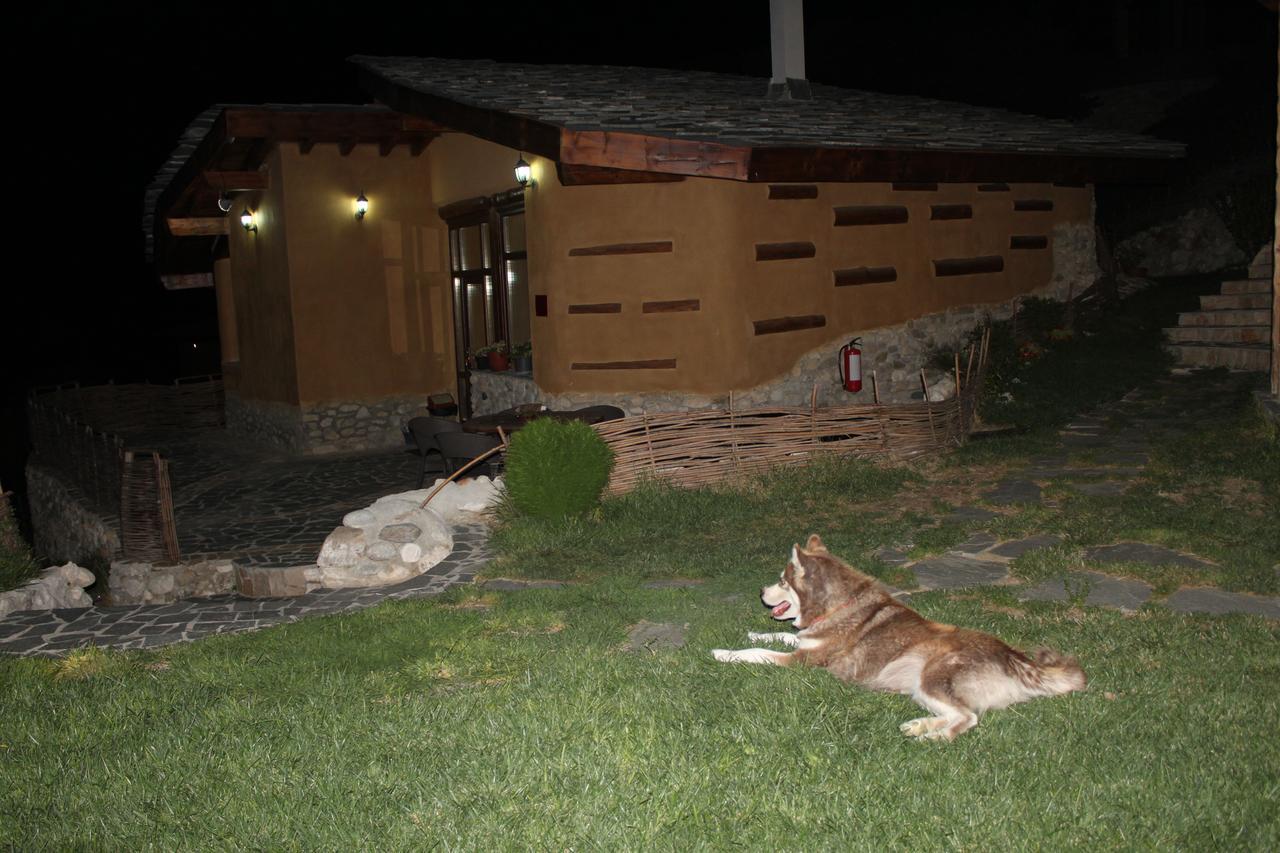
(335, 427)
(135, 582)
(63, 527)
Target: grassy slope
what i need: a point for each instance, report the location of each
(521, 724)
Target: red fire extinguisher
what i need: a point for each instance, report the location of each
(851, 366)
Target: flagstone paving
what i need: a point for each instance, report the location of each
(277, 511)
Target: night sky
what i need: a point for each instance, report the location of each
(99, 93)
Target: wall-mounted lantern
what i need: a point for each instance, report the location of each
(524, 173)
(224, 202)
(246, 220)
(362, 206)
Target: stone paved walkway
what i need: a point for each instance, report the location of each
(269, 511)
(54, 632)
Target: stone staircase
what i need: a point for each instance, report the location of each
(1233, 327)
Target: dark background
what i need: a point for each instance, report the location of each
(100, 92)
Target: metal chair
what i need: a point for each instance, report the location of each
(599, 414)
(426, 431)
(459, 448)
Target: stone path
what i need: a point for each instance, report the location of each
(277, 511)
(50, 633)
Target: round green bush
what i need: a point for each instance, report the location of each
(556, 468)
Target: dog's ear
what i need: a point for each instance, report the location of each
(814, 545)
(796, 566)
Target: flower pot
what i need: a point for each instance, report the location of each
(482, 362)
(524, 364)
(499, 361)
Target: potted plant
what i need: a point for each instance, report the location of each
(522, 356)
(498, 357)
(480, 357)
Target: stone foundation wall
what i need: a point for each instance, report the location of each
(895, 353)
(161, 583)
(63, 527)
(317, 428)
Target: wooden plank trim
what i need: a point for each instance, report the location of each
(784, 251)
(579, 175)
(647, 364)
(774, 325)
(622, 249)
(993, 188)
(236, 181)
(671, 306)
(791, 192)
(870, 214)
(1028, 241)
(198, 226)
(951, 211)
(855, 276)
(968, 266)
(596, 308)
(915, 186)
(643, 153)
(1036, 204)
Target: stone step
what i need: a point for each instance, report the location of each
(1219, 334)
(1247, 285)
(1248, 317)
(1218, 355)
(1234, 301)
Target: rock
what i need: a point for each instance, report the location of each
(343, 547)
(381, 551)
(654, 636)
(1219, 601)
(400, 532)
(1196, 242)
(952, 572)
(462, 500)
(411, 552)
(359, 518)
(943, 389)
(1014, 492)
(1017, 547)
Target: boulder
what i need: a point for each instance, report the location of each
(56, 587)
(1196, 242)
(390, 541)
(463, 501)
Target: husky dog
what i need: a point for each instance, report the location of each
(852, 626)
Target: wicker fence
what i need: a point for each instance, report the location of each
(78, 433)
(695, 448)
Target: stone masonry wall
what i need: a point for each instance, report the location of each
(161, 583)
(895, 353)
(334, 427)
(63, 527)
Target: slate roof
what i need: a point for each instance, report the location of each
(732, 110)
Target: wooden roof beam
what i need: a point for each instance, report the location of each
(231, 182)
(198, 226)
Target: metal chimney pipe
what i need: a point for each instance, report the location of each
(786, 37)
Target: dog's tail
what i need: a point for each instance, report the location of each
(1046, 672)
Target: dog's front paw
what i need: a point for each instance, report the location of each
(723, 655)
(759, 636)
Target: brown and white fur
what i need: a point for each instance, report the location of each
(852, 626)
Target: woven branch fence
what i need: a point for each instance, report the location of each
(709, 446)
(76, 432)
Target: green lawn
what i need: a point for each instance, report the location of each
(511, 721)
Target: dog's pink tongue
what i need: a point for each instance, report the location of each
(780, 609)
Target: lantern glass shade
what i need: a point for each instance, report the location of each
(524, 172)
(246, 219)
(362, 206)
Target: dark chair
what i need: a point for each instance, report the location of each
(598, 414)
(425, 431)
(459, 448)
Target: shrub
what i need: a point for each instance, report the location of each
(556, 468)
(17, 566)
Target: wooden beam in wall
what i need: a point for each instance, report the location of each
(671, 306)
(1033, 204)
(198, 226)
(968, 266)
(574, 175)
(774, 325)
(784, 251)
(346, 146)
(647, 364)
(622, 249)
(855, 276)
(1028, 241)
(870, 214)
(792, 192)
(305, 145)
(596, 308)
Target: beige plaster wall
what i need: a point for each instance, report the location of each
(369, 298)
(714, 226)
(259, 274)
(464, 167)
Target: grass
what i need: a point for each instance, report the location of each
(515, 721)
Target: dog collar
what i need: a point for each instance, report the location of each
(829, 614)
